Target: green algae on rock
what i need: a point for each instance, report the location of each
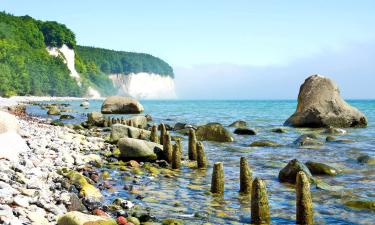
(213, 132)
(78, 218)
(321, 169)
(264, 143)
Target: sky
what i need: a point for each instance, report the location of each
(240, 49)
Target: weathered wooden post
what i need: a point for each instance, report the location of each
(105, 124)
(109, 122)
(192, 150)
(260, 210)
(122, 120)
(179, 144)
(163, 130)
(176, 157)
(167, 147)
(154, 134)
(113, 120)
(217, 182)
(304, 213)
(201, 156)
(118, 120)
(246, 176)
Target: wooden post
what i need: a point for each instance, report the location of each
(217, 182)
(176, 157)
(167, 148)
(201, 156)
(260, 210)
(192, 145)
(154, 135)
(245, 177)
(163, 130)
(304, 214)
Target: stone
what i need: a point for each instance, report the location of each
(179, 126)
(290, 171)
(133, 220)
(121, 105)
(21, 201)
(66, 117)
(131, 148)
(11, 145)
(75, 204)
(320, 105)
(85, 104)
(244, 131)
(8, 123)
(366, 159)
(120, 131)
(95, 119)
(78, 218)
(238, 124)
(279, 130)
(361, 204)
(53, 111)
(264, 143)
(308, 140)
(334, 131)
(213, 132)
(37, 218)
(137, 121)
(321, 168)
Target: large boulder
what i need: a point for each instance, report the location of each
(8, 123)
(119, 131)
(290, 171)
(121, 105)
(138, 121)
(78, 218)
(131, 148)
(320, 105)
(213, 132)
(95, 118)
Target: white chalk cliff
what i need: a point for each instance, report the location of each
(68, 55)
(144, 85)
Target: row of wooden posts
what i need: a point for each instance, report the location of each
(110, 121)
(260, 210)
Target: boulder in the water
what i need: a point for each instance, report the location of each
(264, 143)
(320, 105)
(213, 132)
(119, 131)
(131, 148)
(66, 117)
(238, 124)
(366, 159)
(279, 130)
(290, 171)
(308, 140)
(121, 105)
(321, 168)
(244, 131)
(53, 111)
(361, 204)
(95, 118)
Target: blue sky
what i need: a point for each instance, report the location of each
(243, 41)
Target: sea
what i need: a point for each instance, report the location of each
(186, 195)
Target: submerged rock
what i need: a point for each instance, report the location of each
(361, 204)
(244, 131)
(238, 124)
(131, 148)
(290, 171)
(78, 218)
(121, 105)
(213, 132)
(264, 143)
(119, 131)
(307, 140)
(334, 139)
(366, 159)
(53, 111)
(321, 169)
(66, 117)
(320, 105)
(279, 130)
(334, 131)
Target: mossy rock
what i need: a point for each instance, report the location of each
(57, 123)
(106, 175)
(321, 169)
(172, 222)
(264, 143)
(86, 189)
(53, 111)
(133, 220)
(78, 218)
(359, 204)
(137, 171)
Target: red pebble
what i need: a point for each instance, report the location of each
(99, 212)
(122, 220)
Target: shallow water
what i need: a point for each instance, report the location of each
(186, 193)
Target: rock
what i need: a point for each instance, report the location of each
(21, 201)
(85, 104)
(290, 171)
(172, 222)
(360, 204)
(179, 126)
(8, 123)
(321, 169)
(119, 131)
(324, 186)
(264, 143)
(133, 220)
(238, 124)
(334, 139)
(366, 159)
(320, 105)
(53, 111)
(37, 218)
(121, 220)
(131, 148)
(279, 130)
(121, 105)
(138, 121)
(78, 218)
(57, 123)
(87, 190)
(11, 144)
(95, 119)
(307, 140)
(66, 117)
(213, 132)
(75, 204)
(334, 131)
(244, 131)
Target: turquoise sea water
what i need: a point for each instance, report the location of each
(185, 195)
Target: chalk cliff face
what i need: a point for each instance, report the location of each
(144, 85)
(68, 55)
